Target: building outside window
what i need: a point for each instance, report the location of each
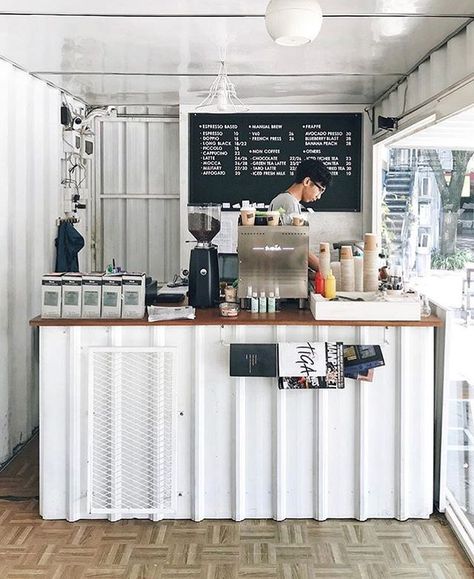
(428, 209)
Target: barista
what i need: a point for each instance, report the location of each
(311, 179)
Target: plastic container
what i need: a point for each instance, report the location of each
(204, 221)
(277, 299)
(273, 217)
(230, 293)
(319, 283)
(248, 299)
(262, 303)
(254, 303)
(330, 286)
(297, 219)
(229, 309)
(271, 307)
(247, 215)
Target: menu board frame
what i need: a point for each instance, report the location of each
(345, 192)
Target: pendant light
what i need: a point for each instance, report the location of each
(222, 97)
(293, 22)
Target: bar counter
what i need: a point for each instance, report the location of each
(212, 317)
(143, 420)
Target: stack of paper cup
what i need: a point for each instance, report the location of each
(371, 270)
(336, 272)
(358, 273)
(324, 259)
(347, 269)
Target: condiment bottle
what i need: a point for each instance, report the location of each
(262, 303)
(271, 303)
(319, 283)
(277, 299)
(254, 305)
(248, 299)
(330, 286)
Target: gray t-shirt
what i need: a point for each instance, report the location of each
(287, 202)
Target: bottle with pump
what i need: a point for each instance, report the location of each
(277, 299)
(330, 286)
(262, 303)
(254, 303)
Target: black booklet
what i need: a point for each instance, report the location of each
(254, 360)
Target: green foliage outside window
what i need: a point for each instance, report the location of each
(457, 260)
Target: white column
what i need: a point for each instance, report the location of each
(321, 444)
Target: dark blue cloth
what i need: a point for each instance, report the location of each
(68, 244)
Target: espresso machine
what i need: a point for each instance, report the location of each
(204, 223)
(273, 259)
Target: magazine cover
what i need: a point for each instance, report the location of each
(359, 358)
(311, 365)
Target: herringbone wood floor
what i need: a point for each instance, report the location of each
(294, 549)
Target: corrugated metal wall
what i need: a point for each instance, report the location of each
(451, 66)
(30, 142)
(137, 195)
(244, 448)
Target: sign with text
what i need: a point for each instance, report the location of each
(240, 156)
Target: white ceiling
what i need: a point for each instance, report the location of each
(159, 52)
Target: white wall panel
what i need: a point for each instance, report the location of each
(248, 450)
(444, 83)
(137, 193)
(29, 205)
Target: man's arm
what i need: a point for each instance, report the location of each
(313, 261)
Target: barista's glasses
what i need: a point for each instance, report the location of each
(319, 187)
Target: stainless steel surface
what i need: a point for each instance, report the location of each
(271, 257)
(236, 7)
(160, 52)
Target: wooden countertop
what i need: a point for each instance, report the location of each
(212, 317)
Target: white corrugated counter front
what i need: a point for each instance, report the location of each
(143, 420)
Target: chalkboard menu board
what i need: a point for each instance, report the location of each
(253, 156)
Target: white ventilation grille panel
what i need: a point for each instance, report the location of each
(132, 430)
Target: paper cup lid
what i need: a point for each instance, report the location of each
(346, 252)
(370, 241)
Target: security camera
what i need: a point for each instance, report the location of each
(387, 123)
(77, 122)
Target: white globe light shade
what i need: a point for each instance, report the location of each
(293, 22)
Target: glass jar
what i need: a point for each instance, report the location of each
(425, 309)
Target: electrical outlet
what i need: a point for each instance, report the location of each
(87, 146)
(71, 141)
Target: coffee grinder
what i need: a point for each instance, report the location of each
(204, 223)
